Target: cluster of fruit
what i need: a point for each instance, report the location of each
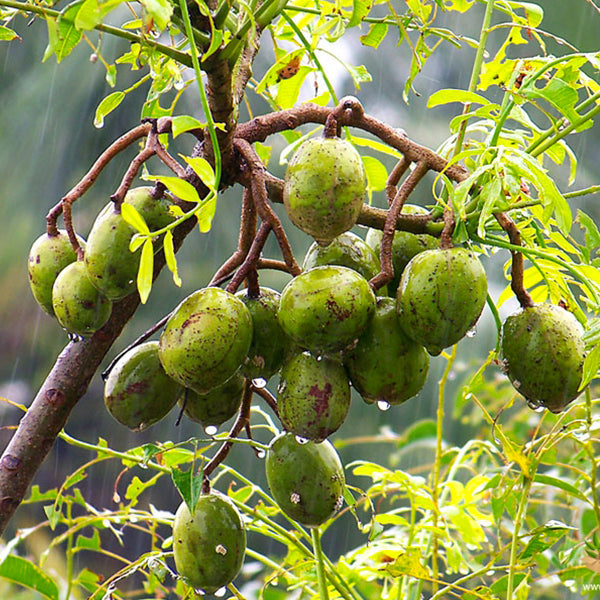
(325, 332)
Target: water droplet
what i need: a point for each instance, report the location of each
(211, 429)
(220, 592)
(220, 549)
(259, 382)
(451, 376)
(472, 332)
(319, 358)
(260, 453)
(383, 405)
(301, 440)
(179, 84)
(199, 592)
(534, 405)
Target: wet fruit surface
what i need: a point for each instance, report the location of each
(324, 187)
(305, 479)
(111, 265)
(270, 345)
(209, 545)
(218, 405)
(206, 340)
(138, 392)
(543, 353)
(313, 396)
(79, 307)
(386, 365)
(48, 256)
(326, 309)
(440, 297)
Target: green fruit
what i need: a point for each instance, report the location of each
(209, 546)
(405, 245)
(270, 345)
(305, 479)
(206, 339)
(79, 307)
(313, 396)
(440, 297)
(48, 256)
(218, 405)
(543, 353)
(326, 309)
(324, 187)
(138, 392)
(111, 265)
(386, 365)
(346, 250)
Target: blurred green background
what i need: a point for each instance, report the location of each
(48, 141)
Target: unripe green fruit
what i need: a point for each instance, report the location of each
(324, 187)
(313, 396)
(79, 307)
(386, 365)
(111, 265)
(326, 309)
(305, 479)
(209, 546)
(346, 250)
(543, 353)
(48, 256)
(440, 297)
(138, 392)
(206, 339)
(405, 246)
(270, 345)
(217, 406)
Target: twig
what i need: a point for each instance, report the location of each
(267, 397)
(446, 235)
(393, 179)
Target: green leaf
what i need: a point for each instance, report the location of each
(453, 95)
(188, 485)
(376, 174)
(107, 105)
(375, 35)
(205, 214)
(53, 512)
(289, 89)
(183, 123)
(68, 34)
(203, 169)
(542, 538)
(145, 272)
(360, 10)
(111, 75)
(170, 257)
(136, 241)
(132, 217)
(493, 200)
(89, 543)
(559, 94)
(264, 152)
(23, 572)
(591, 364)
(6, 34)
(160, 11)
(591, 233)
(179, 187)
(137, 486)
(561, 484)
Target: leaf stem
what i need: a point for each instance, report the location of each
(318, 552)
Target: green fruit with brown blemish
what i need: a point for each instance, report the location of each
(405, 245)
(48, 256)
(217, 406)
(138, 392)
(440, 297)
(324, 187)
(79, 307)
(209, 545)
(386, 365)
(305, 479)
(346, 250)
(270, 345)
(111, 265)
(206, 339)
(544, 352)
(325, 309)
(313, 397)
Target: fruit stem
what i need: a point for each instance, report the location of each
(446, 235)
(318, 551)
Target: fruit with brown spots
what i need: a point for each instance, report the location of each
(326, 308)
(209, 545)
(206, 339)
(313, 396)
(305, 479)
(138, 392)
(324, 187)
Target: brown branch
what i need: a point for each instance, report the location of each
(393, 179)
(446, 235)
(266, 395)
(407, 187)
(516, 271)
(239, 425)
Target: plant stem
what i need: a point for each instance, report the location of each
(476, 71)
(527, 481)
(589, 447)
(593, 189)
(318, 552)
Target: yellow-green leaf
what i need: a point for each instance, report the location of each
(23, 572)
(203, 169)
(107, 105)
(132, 217)
(183, 123)
(170, 257)
(144, 278)
(452, 95)
(206, 213)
